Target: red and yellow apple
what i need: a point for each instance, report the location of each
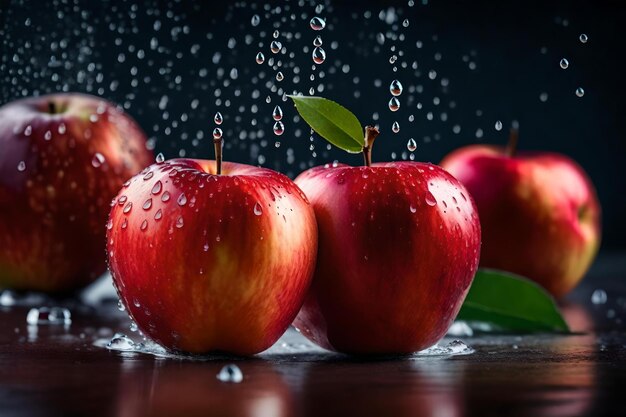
(398, 248)
(62, 159)
(539, 212)
(207, 261)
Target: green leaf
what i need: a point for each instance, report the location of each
(331, 121)
(511, 303)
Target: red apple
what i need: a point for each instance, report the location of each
(207, 262)
(539, 212)
(398, 249)
(62, 159)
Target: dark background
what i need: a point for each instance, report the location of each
(172, 65)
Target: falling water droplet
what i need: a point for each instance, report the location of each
(580, 92)
(405, 23)
(217, 133)
(276, 34)
(276, 46)
(411, 145)
(498, 125)
(279, 76)
(260, 58)
(256, 19)
(230, 373)
(395, 88)
(317, 41)
(394, 104)
(97, 160)
(583, 38)
(395, 127)
(21, 167)
(160, 158)
(258, 210)
(277, 114)
(218, 119)
(279, 128)
(317, 23)
(564, 63)
(319, 55)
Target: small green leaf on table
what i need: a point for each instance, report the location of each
(511, 303)
(331, 121)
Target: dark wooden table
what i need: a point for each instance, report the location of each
(50, 370)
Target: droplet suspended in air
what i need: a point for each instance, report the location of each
(160, 158)
(317, 23)
(317, 41)
(395, 88)
(276, 46)
(498, 125)
(394, 104)
(580, 92)
(395, 127)
(583, 38)
(217, 133)
(218, 119)
(564, 63)
(21, 167)
(276, 34)
(256, 19)
(277, 114)
(411, 145)
(405, 23)
(260, 58)
(279, 128)
(319, 55)
(280, 76)
(97, 160)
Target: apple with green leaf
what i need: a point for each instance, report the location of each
(62, 159)
(539, 212)
(398, 245)
(210, 256)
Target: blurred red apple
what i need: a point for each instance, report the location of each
(62, 159)
(208, 262)
(539, 212)
(398, 248)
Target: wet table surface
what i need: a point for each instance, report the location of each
(64, 370)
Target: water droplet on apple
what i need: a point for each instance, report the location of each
(395, 88)
(156, 188)
(165, 197)
(319, 55)
(125, 224)
(394, 104)
(430, 199)
(147, 204)
(144, 225)
(317, 23)
(182, 199)
(149, 175)
(179, 222)
(258, 210)
(121, 306)
(277, 114)
(97, 160)
(158, 215)
(412, 208)
(230, 373)
(128, 207)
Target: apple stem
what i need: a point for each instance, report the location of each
(370, 135)
(217, 143)
(51, 107)
(511, 147)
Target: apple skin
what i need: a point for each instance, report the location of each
(54, 206)
(398, 249)
(212, 262)
(539, 213)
